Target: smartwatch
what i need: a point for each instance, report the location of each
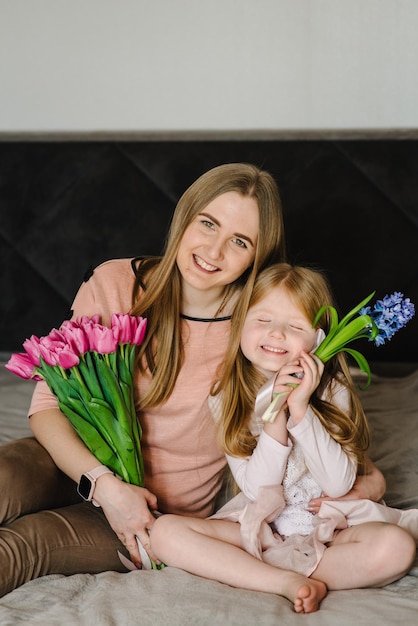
(88, 480)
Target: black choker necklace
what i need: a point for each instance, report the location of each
(205, 319)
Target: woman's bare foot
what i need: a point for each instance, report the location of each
(305, 593)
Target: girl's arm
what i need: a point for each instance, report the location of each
(332, 468)
(267, 464)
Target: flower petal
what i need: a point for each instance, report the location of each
(21, 365)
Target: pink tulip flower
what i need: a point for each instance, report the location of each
(59, 353)
(21, 364)
(101, 339)
(75, 337)
(53, 336)
(32, 348)
(140, 331)
(67, 358)
(56, 357)
(85, 320)
(123, 327)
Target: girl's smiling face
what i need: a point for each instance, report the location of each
(276, 331)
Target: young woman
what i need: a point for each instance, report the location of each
(317, 444)
(226, 227)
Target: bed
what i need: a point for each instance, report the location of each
(177, 598)
(349, 208)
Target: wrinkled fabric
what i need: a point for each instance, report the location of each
(296, 552)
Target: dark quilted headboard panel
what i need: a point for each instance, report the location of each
(351, 208)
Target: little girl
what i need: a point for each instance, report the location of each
(316, 445)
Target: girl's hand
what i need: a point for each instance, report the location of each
(286, 379)
(128, 511)
(298, 399)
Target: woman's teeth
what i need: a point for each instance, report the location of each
(201, 263)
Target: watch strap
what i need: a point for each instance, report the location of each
(94, 474)
(98, 471)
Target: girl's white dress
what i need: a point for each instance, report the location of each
(277, 482)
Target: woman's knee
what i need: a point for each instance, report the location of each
(69, 540)
(30, 480)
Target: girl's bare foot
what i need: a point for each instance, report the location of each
(305, 593)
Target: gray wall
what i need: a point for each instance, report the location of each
(221, 65)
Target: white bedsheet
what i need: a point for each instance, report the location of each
(176, 598)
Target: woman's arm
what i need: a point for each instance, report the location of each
(127, 507)
(369, 486)
(55, 433)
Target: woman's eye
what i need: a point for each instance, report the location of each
(240, 243)
(208, 223)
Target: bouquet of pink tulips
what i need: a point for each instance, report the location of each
(89, 367)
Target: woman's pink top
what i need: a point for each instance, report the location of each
(183, 464)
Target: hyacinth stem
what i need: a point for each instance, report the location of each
(344, 332)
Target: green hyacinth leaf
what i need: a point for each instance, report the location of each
(356, 309)
(362, 363)
(356, 329)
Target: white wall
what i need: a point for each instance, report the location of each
(213, 65)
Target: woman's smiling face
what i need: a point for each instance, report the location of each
(220, 243)
(276, 331)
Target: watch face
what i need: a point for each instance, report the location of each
(85, 487)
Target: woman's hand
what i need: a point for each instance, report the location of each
(128, 511)
(369, 486)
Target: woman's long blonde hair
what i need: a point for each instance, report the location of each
(157, 292)
(240, 380)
